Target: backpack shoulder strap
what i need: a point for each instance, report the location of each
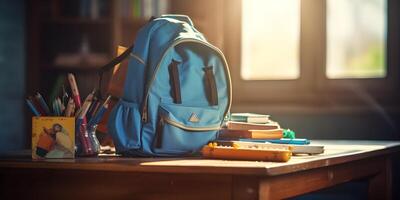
(116, 61)
(111, 64)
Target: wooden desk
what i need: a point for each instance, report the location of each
(196, 178)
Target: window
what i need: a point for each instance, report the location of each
(301, 49)
(356, 39)
(268, 46)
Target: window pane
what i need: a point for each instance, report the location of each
(356, 38)
(270, 39)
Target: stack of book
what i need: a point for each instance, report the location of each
(251, 126)
(258, 132)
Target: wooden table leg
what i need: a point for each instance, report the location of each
(245, 187)
(380, 185)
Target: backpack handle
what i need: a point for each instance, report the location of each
(184, 18)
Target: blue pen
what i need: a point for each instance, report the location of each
(32, 107)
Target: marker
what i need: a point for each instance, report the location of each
(75, 91)
(32, 107)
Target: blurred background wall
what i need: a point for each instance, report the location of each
(12, 77)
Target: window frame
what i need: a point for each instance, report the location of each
(313, 85)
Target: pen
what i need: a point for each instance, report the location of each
(32, 107)
(74, 89)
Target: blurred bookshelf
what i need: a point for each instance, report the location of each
(80, 36)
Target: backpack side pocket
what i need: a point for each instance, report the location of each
(125, 126)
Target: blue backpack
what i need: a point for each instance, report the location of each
(177, 91)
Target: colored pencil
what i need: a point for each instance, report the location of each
(32, 107)
(43, 103)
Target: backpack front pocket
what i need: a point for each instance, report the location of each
(182, 129)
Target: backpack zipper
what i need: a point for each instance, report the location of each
(189, 128)
(163, 120)
(144, 107)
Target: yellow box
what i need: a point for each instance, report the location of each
(53, 137)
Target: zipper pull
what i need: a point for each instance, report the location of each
(159, 132)
(144, 112)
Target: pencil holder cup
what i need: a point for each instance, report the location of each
(87, 143)
(53, 137)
